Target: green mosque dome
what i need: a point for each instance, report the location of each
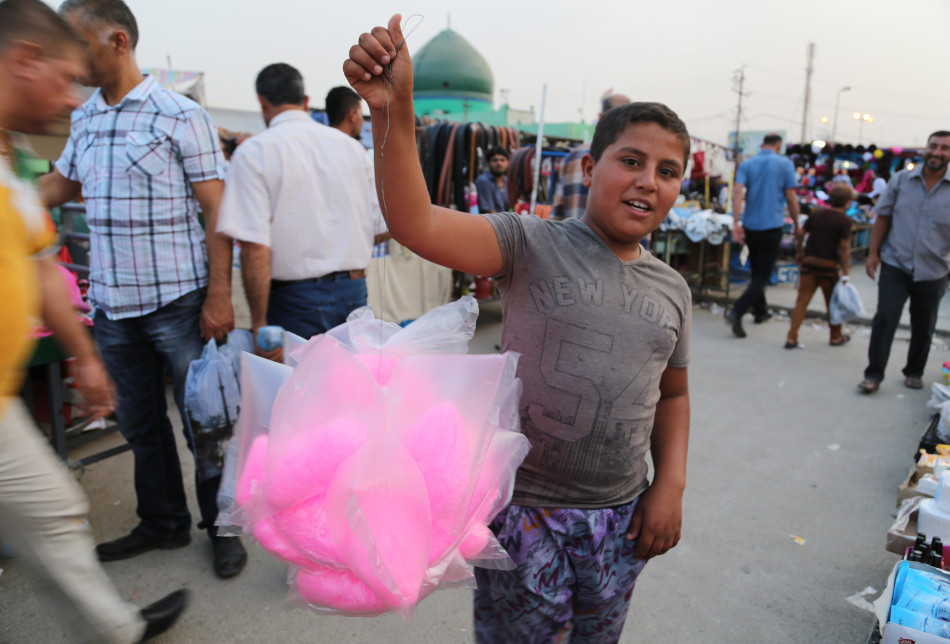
(448, 73)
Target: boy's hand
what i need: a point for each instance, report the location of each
(657, 521)
(366, 72)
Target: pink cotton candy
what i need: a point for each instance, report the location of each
(380, 520)
(338, 589)
(439, 446)
(306, 526)
(380, 365)
(274, 542)
(309, 460)
(253, 471)
(476, 540)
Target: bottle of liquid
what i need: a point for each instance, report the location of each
(270, 337)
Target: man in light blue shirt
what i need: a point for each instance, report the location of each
(765, 184)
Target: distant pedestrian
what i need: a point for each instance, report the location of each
(765, 184)
(910, 240)
(492, 185)
(825, 256)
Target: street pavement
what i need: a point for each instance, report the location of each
(792, 484)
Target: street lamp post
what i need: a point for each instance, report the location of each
(834, 128)
(862, 118)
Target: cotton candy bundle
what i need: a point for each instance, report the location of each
(382, 462)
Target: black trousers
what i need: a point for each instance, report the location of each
(894, 287)
(763, 252)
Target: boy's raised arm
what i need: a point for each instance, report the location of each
(455, 239)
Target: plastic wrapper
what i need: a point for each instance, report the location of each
(213, 399)
(845, 304)
(374, 464)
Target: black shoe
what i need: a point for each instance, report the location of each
(230, 557)
(764, 317)
(135, 543)
(736, 322)
(162, 615)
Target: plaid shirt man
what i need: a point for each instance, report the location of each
(136, 161)
(570, 195)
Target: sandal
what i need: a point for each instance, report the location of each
(869, 386)
(913, 382)
(844, 339)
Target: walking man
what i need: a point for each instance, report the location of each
(145, 159)
(910, 241)
(765, 184)
(42, 508)
(301, 199)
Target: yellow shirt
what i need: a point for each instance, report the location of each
(24, 231)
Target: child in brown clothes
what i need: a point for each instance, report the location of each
(826, 254)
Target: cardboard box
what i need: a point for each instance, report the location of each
(894, 633)
(898, 541)
(908, 488)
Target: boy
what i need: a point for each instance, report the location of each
(826, 253)
(603, 332)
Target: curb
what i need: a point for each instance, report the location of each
(811, 313)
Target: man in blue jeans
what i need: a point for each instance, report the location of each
(765, 184)
(910, 241)
(145, 158)
(301, 199)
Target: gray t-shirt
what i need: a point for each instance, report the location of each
(595, 334)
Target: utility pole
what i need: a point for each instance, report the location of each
(739, 79)
(808, 71)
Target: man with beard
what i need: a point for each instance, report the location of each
(910, 241)
(345, 111)
(492, 185)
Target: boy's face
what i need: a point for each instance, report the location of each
(633, 186)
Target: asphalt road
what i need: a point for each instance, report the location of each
(791, 486)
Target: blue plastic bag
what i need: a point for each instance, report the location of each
(213, 399)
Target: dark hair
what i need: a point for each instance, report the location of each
(339, 102)
(35, 22)
(772, 138)
(938, 133)
(280, 84)
(840, 196)
(612, 124)
(95, 15)
(499, 150)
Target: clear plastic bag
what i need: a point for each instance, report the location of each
(845, 304)
(379, 463)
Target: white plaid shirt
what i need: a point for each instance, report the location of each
(136, 162)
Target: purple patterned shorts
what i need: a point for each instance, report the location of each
(574, 576)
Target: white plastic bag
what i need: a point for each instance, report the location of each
(846, 304)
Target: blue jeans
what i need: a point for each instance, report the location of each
(314, 306)
(136, 352)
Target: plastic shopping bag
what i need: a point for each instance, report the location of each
(376, 466)
(845, 304)
(213, 399)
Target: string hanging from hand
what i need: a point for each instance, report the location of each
(384, 208)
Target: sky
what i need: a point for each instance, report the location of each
(685, 53)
